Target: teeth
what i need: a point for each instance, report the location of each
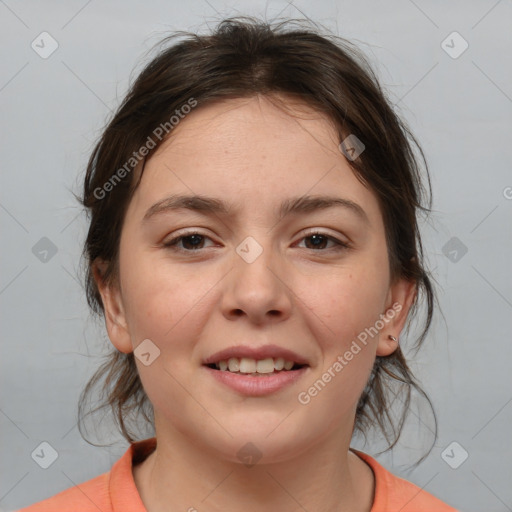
(246, 365)
(265, 365)
(279, 363)
(288, 365)
(234, 364)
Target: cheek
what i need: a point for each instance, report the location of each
(345, 307)
(344, 302)
(163, 302)
(167, 305)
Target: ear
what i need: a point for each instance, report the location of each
(115, 320)
(399, 301)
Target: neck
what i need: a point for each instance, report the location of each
(180, 475)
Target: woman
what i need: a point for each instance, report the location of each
(254, 249)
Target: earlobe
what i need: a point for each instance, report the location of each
(387, 345)
(400, 300)
(115, 320)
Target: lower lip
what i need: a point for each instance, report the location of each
(257, 386)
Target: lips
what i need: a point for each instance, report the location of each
(253, 371)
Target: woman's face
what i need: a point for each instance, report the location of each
(309, 282)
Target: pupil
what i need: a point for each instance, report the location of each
(317, 240)
(197, 239)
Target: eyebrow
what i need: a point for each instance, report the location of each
(211, 205)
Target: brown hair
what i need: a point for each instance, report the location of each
(244, 57)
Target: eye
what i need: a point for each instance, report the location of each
(194, 241)
(190, 242)
(319, 240)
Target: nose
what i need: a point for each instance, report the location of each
(257, 288)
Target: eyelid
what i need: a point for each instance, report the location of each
(176, 236)
(322, 231)
(339, 241)
(340, 244)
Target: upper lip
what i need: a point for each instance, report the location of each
(263, 352)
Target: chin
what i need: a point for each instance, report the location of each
(264, 442)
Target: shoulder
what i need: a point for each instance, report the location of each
(394, 494)
(114, 491)
(89, 496)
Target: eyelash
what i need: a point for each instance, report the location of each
(173, 243)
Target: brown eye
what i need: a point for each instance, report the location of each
(319, 241)
(189, 242)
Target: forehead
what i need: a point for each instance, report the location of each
(253, 152)
(240, 123)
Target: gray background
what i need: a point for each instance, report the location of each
(52, 111)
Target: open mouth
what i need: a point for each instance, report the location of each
(255, 367)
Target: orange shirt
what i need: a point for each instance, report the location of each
(115, 491)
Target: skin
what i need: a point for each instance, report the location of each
(315, 301)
